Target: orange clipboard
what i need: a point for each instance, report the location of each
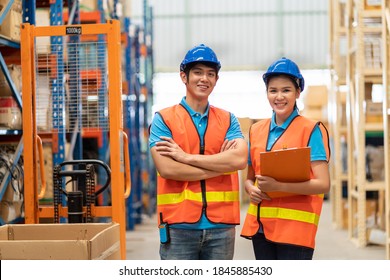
(287, 165)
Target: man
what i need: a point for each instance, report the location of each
(197, 150)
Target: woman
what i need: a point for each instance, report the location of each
(285, 227)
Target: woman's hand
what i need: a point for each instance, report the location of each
(256, 195)
(267, 184)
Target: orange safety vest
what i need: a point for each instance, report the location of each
(183, 201)
(290, 219)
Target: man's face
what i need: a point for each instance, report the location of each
(200, 81)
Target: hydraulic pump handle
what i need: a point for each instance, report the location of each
(87, 161)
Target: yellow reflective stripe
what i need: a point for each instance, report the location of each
(171, 198)
(283, 213)
(222, 196)
(231, 172)
(289, 214)
(252, 210)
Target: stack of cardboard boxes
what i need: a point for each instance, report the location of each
(316, 103)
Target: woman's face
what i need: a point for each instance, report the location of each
(282, 95)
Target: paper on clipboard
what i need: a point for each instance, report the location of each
(287, 165)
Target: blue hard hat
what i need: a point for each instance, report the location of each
(200, 53)
(287, 67)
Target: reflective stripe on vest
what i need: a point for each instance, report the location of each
(172, 198)
(284, 213)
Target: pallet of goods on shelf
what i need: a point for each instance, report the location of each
(10, 27)
(10, 114)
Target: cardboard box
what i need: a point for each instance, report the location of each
(316, 114)
(374, 112)
(10, 28)
(372, 4)
(90, 241)
(15, 74)
(88, 5)
(371, 208)
(11, 211)
(316, 96)
(245, 124)
(374, 108)
(10, 114)
(42, 43)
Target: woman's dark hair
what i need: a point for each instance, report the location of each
(293, 80)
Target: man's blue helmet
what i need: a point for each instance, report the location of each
(287, 67)
(200, 53)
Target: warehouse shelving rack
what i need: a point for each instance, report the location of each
(336, 105)
(138, 60)
(131, 91)
(149, 174)
(386, 114)
(361, 23)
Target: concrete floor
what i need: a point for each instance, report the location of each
(331, 244)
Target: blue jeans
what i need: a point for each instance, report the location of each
(207, 244)
(267, 250)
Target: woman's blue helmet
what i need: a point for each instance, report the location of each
(287, 67)
(200, 53)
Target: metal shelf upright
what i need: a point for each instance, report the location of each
(149, 173)
(138, 106)
(132, 119)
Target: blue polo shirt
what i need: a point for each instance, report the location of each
(158, 129)
(317, 150)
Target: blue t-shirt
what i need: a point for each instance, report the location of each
(316, 144)
(158, 129)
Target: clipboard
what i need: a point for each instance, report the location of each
(287, 165)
